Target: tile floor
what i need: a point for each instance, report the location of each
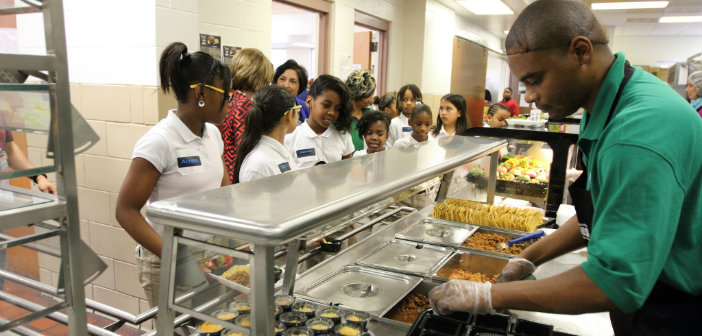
(47, 326)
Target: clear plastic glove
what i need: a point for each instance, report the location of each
(461, 295)
(516, 269)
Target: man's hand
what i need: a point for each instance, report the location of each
(516, 269)
(462, 295)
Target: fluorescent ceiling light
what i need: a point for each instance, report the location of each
(486, 7)
(629, 5)
(680, 19)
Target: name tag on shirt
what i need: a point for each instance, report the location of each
(189, 161)
(309, 152)
(284, 167)
(407, 129)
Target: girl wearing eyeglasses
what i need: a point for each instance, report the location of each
(181, 154)
(262, 150)
(407, 98)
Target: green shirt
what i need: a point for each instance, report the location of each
(645, 176)
(357, 139)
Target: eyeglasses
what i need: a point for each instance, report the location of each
(227, 95)
(293, 109)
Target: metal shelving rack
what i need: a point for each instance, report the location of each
(64, 207)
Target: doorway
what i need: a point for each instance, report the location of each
(468, 77)
(300, 31)
(370, 48)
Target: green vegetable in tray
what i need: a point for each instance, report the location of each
(523, 178)
(477, 171)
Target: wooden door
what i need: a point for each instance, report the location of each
(468, 73)
(361, 49)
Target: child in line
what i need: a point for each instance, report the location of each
(420, 121)
(497, 115)
(374, 128)
(452, 116)
(262, 152)
(387, 104)
(181, 154)
(324, 137)
(408, 97)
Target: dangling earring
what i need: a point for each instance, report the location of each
(201, 103)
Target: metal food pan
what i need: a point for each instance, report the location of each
(422, 288)
(438, 232)
(474, 262)
(406, 257)
(511, 234)
(361, 288)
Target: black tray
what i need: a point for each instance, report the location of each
(461, 324)
(428, 323)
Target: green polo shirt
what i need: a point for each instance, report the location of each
(645, 176)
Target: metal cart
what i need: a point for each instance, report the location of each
(20, 207)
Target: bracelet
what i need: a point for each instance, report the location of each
(34, 177)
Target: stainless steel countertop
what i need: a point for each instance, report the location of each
(274, 210)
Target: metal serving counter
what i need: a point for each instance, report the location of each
(291, 208)
(583, 324)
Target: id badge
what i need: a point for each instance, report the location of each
(284, 167)
(189, 162)
(306, 155)
(407, 129)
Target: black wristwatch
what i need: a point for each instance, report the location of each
(34, 177)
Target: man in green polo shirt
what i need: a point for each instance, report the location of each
(642, 147)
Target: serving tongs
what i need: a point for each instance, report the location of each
(527, 237)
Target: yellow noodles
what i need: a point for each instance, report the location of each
(489, 215)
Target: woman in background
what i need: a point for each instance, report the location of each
(293, 77)
(362, 85)
(250, 70)
(694, 90)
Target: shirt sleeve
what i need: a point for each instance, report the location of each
(153, 148)
(637, 203)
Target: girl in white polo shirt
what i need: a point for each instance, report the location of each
(452, 119)
(262, 152)
(324, 137)
(408, 97)
(181, 154)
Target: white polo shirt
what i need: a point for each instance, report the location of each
(442, 133)
(360, 153)
(187, 163)
(269, 157)
(406, 141)
(307, 148)
(399, 128)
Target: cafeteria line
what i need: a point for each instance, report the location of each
(277, 194)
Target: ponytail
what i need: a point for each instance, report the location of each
(179, 69)
(269, 106)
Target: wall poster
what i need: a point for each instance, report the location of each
(212, 45)
(229, 53)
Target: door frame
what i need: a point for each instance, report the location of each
(382, 26)
(323, 8)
